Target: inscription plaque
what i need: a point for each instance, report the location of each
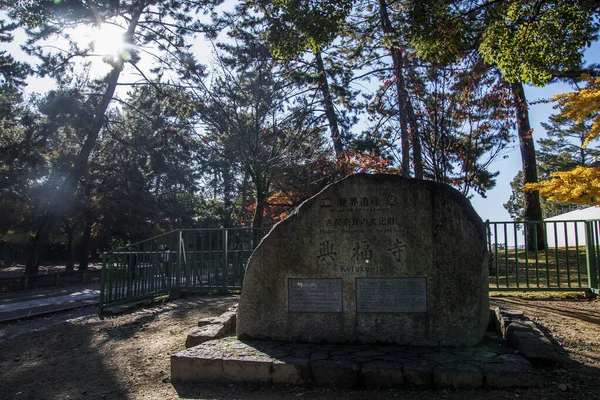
(391, 295)
(314, 295)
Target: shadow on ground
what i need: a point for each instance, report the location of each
(120, 357)
(44, 370)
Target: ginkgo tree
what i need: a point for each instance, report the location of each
(582, 184)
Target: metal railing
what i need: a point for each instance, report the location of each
(524, 256)
(209, 259)
(543, 255)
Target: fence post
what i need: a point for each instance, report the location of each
(179, 256)
(102, 284)
(590, 255)
(488, 234)
(225, 259)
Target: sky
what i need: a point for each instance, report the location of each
(490, 207)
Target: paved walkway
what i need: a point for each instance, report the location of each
(28, 304)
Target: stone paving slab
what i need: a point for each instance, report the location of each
(203, 334)
(230, 360)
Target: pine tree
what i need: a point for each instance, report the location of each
(256, 122)
(162, 24)
(529, 41)
(304, 32)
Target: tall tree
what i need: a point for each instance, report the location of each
(257, 123)
(580, 184)
(378, 50)
(396, 51)
(533, 205)
(18, 156)
(529, 41)
(565, 148)
(164, 25)
(294, 28)
(534, 42)
(464, 111)
(144, 176)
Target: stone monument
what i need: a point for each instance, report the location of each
(371, 259)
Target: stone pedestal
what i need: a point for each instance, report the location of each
(229, 360)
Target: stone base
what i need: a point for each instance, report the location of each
(524, 335)
(230, 360)
(212, 328)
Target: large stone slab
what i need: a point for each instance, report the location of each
(372, 258)
(203, 334)
(230, 360)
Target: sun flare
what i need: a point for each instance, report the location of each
(104, 40)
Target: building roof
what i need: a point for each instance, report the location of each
(588, 213)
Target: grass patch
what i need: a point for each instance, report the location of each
(551, 268)
(541, 295)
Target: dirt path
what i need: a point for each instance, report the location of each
(127, 357)
(575, 326)
(116, 358)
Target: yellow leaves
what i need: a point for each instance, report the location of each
(581, 104)
(580, 185)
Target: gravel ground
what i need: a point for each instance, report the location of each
(77, 356)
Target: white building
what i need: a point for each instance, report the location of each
(557, 226)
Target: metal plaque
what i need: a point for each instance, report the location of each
(391, 295)
(314, 295)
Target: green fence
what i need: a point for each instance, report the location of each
(524, 256)
(543, 255)
(210, 259)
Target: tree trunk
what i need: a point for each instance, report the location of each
(86, 239)
(70, 250)
(398, 61)
(336, 137)
(227, 194)
(81, 162)
(414, 131)
(257, 219)
(244, 193)
(533, 208)
(7, 255)
(416, 140)
(261, 201)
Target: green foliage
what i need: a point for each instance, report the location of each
(36, 154)
(297, 26)
(12, 73)
(437, 34)
(529, 41)
(533, 41)
(179, 150)
(143, 177)
(562, 150)
(516, 202)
